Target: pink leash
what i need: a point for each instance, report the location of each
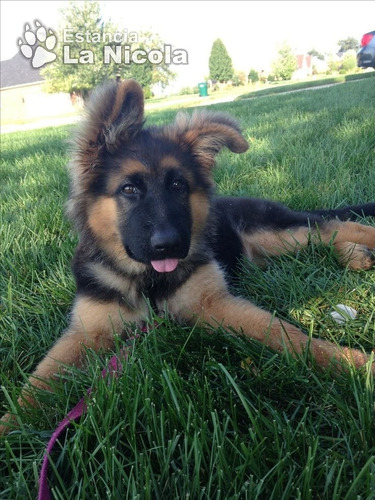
(114, 367)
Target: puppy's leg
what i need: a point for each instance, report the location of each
(205, 297)
(93, 325)
(266, 228)
(352, 242)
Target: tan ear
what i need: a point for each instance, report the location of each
(114, 116)
(206, 133)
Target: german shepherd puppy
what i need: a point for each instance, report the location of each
(152, 232)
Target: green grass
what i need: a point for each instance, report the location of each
(290, 86)
(200, 415)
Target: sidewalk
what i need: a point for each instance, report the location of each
(194, 101)
(48, 122)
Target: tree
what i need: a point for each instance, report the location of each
(253, 75)
(285, 64)
(349, 43)
(239, 78)
(84, 38)
(315, 53)
(349, 62)
(79, 77)
(220, 63)
(160, 73)
(333, 64)
(143, 73)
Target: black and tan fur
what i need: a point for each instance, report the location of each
(146, 195)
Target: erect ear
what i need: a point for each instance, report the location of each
(114, 116)
(206, 133)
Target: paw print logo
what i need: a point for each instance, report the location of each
(37, 45)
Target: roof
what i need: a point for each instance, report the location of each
(18, 71)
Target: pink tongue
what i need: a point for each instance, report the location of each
(164, 266)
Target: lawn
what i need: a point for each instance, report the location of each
(199, 414)
(290, 86)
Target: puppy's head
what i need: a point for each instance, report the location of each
(144, 193)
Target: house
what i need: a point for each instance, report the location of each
(22, 99)
(304, 67)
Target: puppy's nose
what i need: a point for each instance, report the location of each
(165, 240)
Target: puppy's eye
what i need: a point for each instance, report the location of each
(178, 184)
(129, 190)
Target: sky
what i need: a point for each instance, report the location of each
(252, 31)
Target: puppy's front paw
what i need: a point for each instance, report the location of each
(355, 256)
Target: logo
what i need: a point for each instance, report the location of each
(37, 45)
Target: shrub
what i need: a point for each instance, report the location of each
(253, 76)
